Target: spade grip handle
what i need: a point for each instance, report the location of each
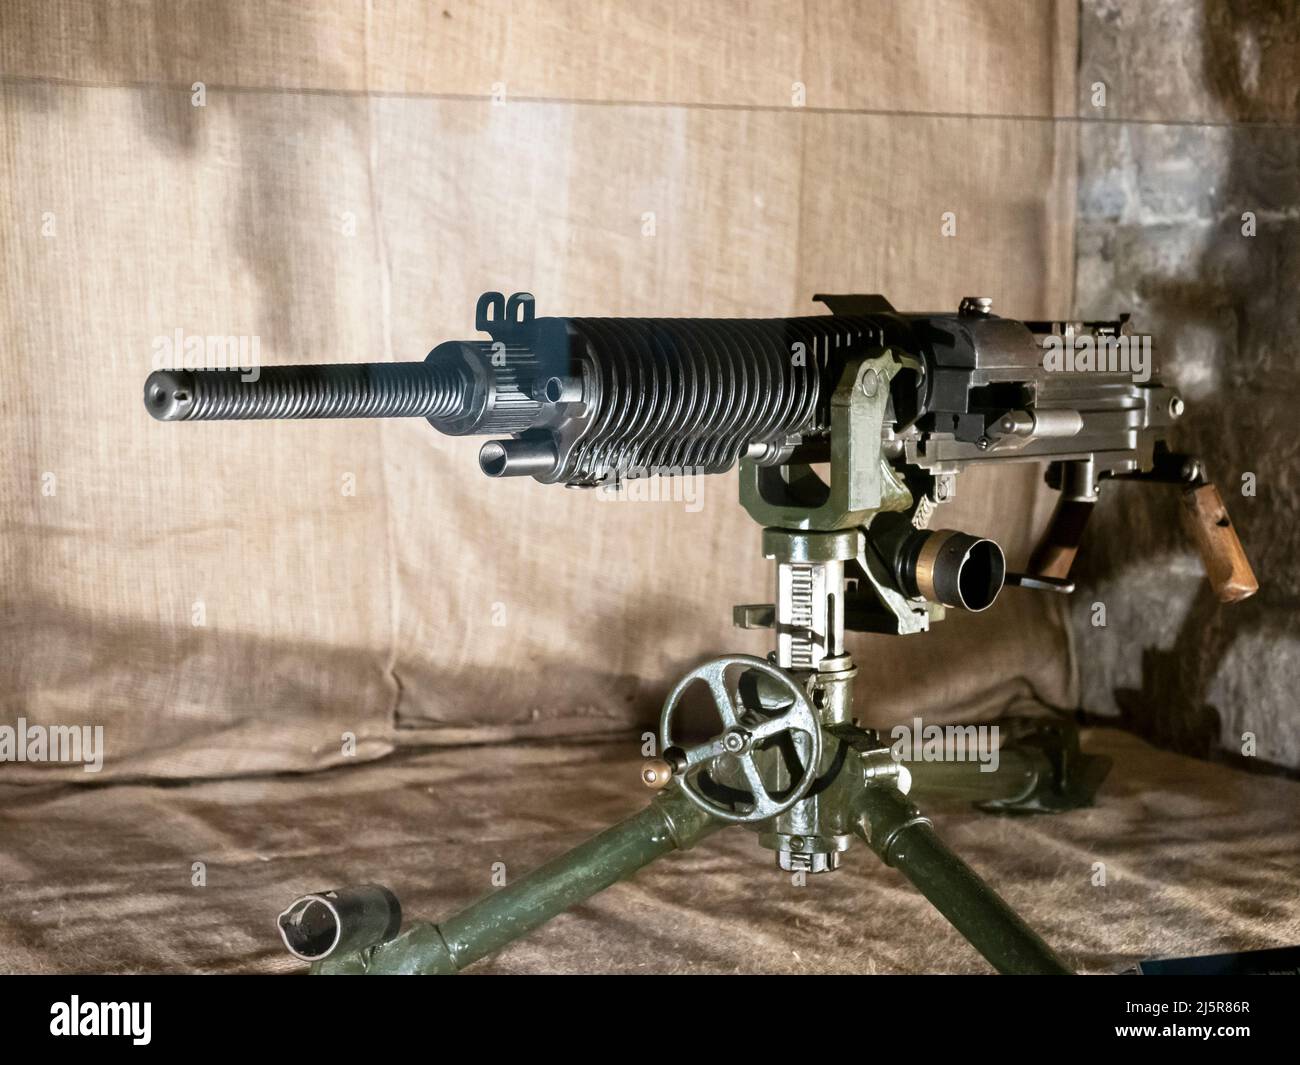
(1226, 566)
(1054, 555)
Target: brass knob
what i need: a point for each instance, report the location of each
(656, 773)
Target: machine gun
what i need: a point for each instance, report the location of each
(850, 429)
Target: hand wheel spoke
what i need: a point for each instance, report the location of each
(775, 726)
(762, 800)
(703, 752)
(722, 699)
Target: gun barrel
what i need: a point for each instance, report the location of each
(347, 390)
(584, 398)
(584, 401)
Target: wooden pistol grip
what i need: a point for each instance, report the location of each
(1054, 555)
(1226, 565)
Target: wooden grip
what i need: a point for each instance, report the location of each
(1226, 565)
(1054, 555)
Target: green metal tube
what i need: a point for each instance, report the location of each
(896, 831)
(1017, 775)
(669, 823)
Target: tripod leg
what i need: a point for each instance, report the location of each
(1041, 770)
(896, 831)
(669, 823)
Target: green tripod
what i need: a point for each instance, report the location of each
(789, 761)
(851, 430)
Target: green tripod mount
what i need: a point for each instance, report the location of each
(851, 429)
(788, 761)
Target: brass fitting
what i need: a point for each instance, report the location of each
(656, 773)
(954, 568)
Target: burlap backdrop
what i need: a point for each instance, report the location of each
(213, 595)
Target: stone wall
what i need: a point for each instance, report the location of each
(1189, 213)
